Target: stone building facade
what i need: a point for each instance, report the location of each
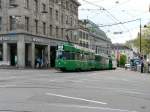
(31, 29)
(92, 37)
(83, 34)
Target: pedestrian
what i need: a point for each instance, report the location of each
(142, 65)
(46, 62)
(16, 60)
(37, 62)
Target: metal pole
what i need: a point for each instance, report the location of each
(140, 38)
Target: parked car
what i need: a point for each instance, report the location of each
(127, 66)
(134, 63)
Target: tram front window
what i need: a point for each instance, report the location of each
(59, 55)
(65, 55)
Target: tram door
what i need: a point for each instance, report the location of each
(53, 55)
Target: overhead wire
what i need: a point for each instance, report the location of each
(107, 13)
(123, 3)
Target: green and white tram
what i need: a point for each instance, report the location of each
(72, 57)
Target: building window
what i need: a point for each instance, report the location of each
(44, 28)
(0, 3)
(51, 2)
(12, 3)
(51, 30)
(71, 7)
(62, 18)
(71, 21)
(57, 32)
(80, 34)
(71, 35)
(27, 4)
(36, 6)
(56, 1)
(51, 13)
(67, 19)
(44, 7)
(27, 23)
(56, 15)
(12, 22)
(67, 5)
(36, 26)
(0, 23)
(62, 32)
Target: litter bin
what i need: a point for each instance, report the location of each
(139, 68)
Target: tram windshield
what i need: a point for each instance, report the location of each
(65, 55)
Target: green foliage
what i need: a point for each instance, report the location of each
(145, 41)
(123, 60)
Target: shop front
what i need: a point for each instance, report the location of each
(28, 51)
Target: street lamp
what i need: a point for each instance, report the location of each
(140, 37)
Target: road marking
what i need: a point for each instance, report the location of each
(5, 86)
(8, 78)
(75, 98)
(91, 107)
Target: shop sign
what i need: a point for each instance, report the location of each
(37, 40)
(6, 38)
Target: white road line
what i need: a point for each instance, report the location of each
(75, 98)
(91, 107)
(8, 78)
(5, 86)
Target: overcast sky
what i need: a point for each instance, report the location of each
(117, 11)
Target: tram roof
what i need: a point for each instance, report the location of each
(102, 54)
(76, 48)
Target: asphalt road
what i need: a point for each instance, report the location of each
(52, 91)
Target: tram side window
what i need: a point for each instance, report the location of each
(72, 56)
(85, 57)
(81, 57)
(77, 56)
(97, 58)
(65, 55)
(104, 60)
(91, 57)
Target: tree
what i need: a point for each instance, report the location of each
(145, 41)
(123, 59)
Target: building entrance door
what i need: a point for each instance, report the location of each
(40, 56)
(28, 56)
(1, 52)
(13, 54)
(53, 55)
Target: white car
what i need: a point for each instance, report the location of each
(127, 66)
